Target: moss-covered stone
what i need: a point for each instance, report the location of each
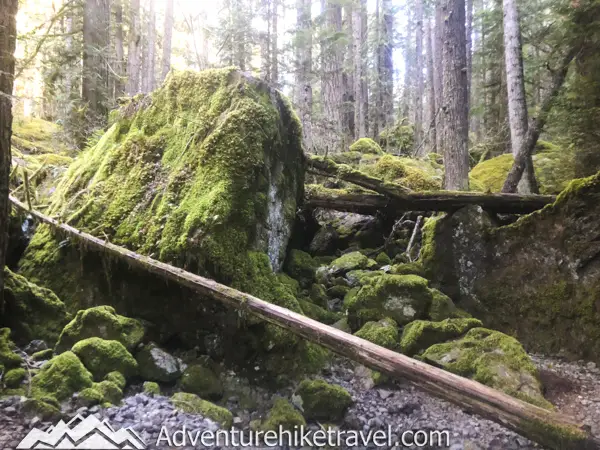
(202, 381)
(351, 261)
(318, 313)
(360, 277)
(155, 364)
(8, 358)
(398, 137)
(289, 282)
(101, 322)
(117, 378)
(61, 377)
(491, 358)
(421, 334)
(89, 397)
(32, 312)
(111, 393)
(418, 175)
(39, 408)
(383, 333)
(101, 357)
(42, 355)
(366, 145)
(301, 266)
(403, 298)
(284, 415)
(442, 307)
(383, 259)
(14, 377)
(191, 403)
(151, 387)
(318, 295)
(412, 268)
(323, 401)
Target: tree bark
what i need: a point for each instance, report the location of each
(537, 124)
(438, 55)
(167, 40)
(119, 75)
(96, 26)
(133, 53)
(456, 114)
(359, 40)
(431, 97)
(304, 93)
(151, 41)
(386, 72)
(469, 38)
(420, 86)
(409, 71)
(8, 40)
(546, 427)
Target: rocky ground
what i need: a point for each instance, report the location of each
(574, 387)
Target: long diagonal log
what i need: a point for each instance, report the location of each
(395, 197)
(423, 201)
(548, 428)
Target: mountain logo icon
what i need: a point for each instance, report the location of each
(83, 433)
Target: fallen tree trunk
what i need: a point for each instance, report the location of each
(546, 427)
(370, 204)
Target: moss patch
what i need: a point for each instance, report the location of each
(101, 357)
(383, 333)
(8, 358)
(14, 377)
(366, 145)
(61, 377)
(150, 387)
(193, 404)
(284, 415)
(201, 381)
(351, 261)
(421, 334)
(323, 401)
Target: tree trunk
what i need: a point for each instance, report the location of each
(304, 94)
(151, 63)
(469, 38)
(431, 98)
(409, 71)
(387, 66)
(359, 51)
(517, 102)
(96, 26)
(8, 40)
(420, 88)
(456, 114)
(438, 73)
(274, 45)
(167, 38)
(133, 54)
(119, 51)
(348, 100)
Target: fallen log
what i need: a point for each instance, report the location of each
(548, 428)
(370, 204)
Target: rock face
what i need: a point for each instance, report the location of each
(206, 174)
(537, 279)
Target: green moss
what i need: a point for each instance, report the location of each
(398, 137)
(8, 358)
(351, 261)
(61, 377)
(117, 378)
(284, 415)
(290, 283)
(352, 158)
(201, 381)
(101, 357)
(35, 135)
(193, 404)
(42, 355)
(366, 145)
(383, 333)
(32, 312)
(89, 397)
(318, 313)
(360, 277)
(41, 409)
(110, 392)
(151, 387)
(14, 377)
(383, 259)
(323, 401)
(318, 295)
(442, 307)
(420, 334)
(491, 358)
(412, 268)
(301, 266)
(403, 298)
(418, 175)
(101, 322)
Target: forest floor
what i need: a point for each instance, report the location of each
(574, 387)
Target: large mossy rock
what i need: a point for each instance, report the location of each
(102, 357)
(32, 312)
(60, 378)
(191, 403)
(537, 279)
(421, 334)
(492, 358)
(200, 380)
(101, 322)
(8, 358)
(204, 173)
(284, 415)
(322, 400)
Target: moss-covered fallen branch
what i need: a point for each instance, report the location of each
(544, 426)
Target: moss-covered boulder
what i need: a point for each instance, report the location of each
(284, 415)
(111, 392)
(322, 400)
(32, 312)
(421, 334)
(398, 137)
(403, 298)
(61, 377)
(537, 279)
(8, 358)
(101, 357)
(151, 388)
(42, 355)
(191, 403)
(384, 333)
(366, 145)
(301, 266)
(117, 378)
(554, 169)
(101, 322)
(14, 377)
(90, 397)
(202, 381)
(351, 261)
(442, 307)
(33, 407)
(491, 358)
(155, 364)
(415, 174)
